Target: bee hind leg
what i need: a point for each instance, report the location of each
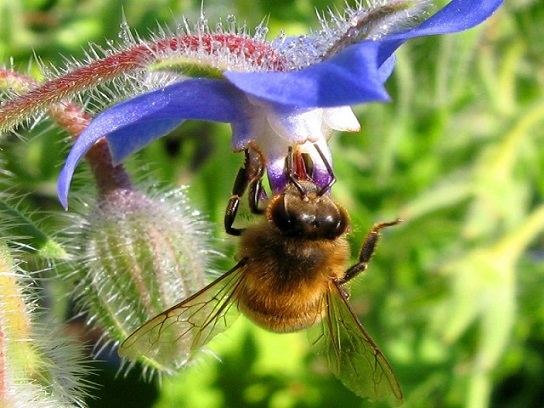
(367, 250)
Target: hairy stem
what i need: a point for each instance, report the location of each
(139, 57)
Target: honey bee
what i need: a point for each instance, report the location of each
(291, 275)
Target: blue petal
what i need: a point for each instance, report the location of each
(132, 124)
(202, 99)
(357, 74)
(348, 78)
(386, 69)
(457, 15)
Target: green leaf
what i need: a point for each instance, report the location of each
(28, 235)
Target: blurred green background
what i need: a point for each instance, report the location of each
(453, 296)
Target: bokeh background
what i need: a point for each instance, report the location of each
(453, 296)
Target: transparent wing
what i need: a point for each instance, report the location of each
(350, 352)
(169, 340)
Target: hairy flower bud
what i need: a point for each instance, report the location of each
(39, 365)
(142, 255)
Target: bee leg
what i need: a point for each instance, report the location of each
(256, 195)
(249, 175)
(328, 166)
(367, 250)
(240, 184)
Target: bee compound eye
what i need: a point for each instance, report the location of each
(330, 224)
(280, 216)
(292, 220)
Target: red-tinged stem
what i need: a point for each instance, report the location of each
(138, 57)
(108, 177)
(70, 117)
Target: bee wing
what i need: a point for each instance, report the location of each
(169, 340)
(351, 354)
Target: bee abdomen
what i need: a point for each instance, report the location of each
(281, 317)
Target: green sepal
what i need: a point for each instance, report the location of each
(186, 67)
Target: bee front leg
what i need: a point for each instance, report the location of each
(240, 185)
(367, 250)
(249, 175)
(256, 195)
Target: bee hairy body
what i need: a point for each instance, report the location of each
(286, 278)
(292, 259)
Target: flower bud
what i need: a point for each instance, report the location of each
(141, 256)
(39, 365)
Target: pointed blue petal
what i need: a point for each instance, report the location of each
(348, 78)
(457, 15)
(134, 123)
(357, 74)
(203, 99)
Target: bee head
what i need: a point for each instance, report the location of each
(303, 210)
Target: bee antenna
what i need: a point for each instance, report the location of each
(328, 166)
(291, 173)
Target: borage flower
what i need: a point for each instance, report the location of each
(288, 92)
